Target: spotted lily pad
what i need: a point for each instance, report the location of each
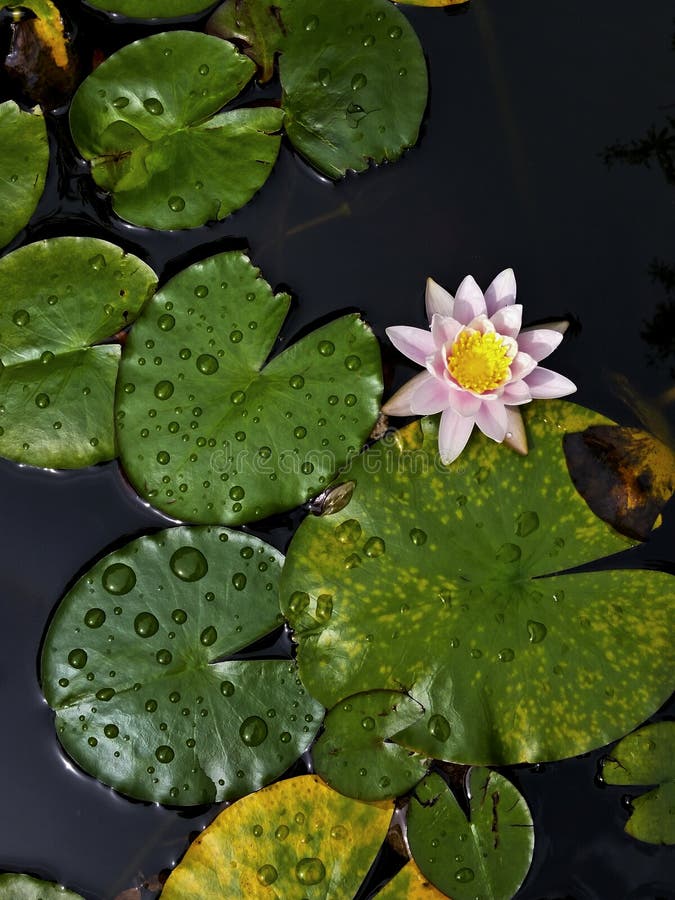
(409, 884)
(647, 757)
(434, 577)
(354, 81)
(151, 9)
(59, 299)
(24, 887)
(486, 854)
(354, 754)
(24, 155)
(137, 667)
(293, 840)
(207, 431)
(147, 120)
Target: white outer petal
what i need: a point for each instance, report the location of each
(438, 301)
(539, 342)
(469, 301)
(399, 404)
(415, 343)
(502, 291)
(516, 436)
(547, 385)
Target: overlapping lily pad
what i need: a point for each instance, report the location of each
(293, 840)
(59, 299)
(257, 24)
(207, 431)
(151, 9)
(487, 854)
(355, 755)
(409, 884)
(136, 664)
(147, 120)
(433, 577)
(354, 80)
(25, 887)
(24, 155)
(647, 757)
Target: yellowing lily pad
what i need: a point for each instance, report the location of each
(293, 840)
(148, 121)
(409, 884)
(442, 582)
(59, 300)
(137, 665)
(208, 429)
(647, 757)
(25, 887)
(24, 155)
(486, 854)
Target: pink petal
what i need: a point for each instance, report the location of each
(438, 364)
(469, 301)
(439, 302)
(399, 404)
(539, 342)
(546, 385)
(516, 436)
(444, 329)
(502, 291)
(491, 418)
(415, 343)
(522, 365)
(464, 402)
(516, 393)
(508, 320)
(430, 397)
(453, 434)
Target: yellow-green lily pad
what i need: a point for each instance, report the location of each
(24, 155)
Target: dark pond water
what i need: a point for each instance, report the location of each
(526, 97)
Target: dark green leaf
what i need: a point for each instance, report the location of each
(486, 856)
(151, 9)
(354, 754)
(24, 155)
(354, 80)
(135, 666)
(210, 433)
(647, 757)
(433, 576)
(257, 25)
(147, 119)
(58, 298)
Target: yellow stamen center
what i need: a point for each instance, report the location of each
(479, 362)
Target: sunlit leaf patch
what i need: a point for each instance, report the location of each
(25, 887)
(24, 155)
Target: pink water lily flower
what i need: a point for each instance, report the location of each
(479, 365)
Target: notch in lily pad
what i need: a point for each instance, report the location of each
(148, 122)
(61, 301)
(208, 429)
(137, 666)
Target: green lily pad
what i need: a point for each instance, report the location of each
(59, 298)
(354, 80)
(295, 839)
(24, 155)
(206, 430)
(486, 855)
(257, 25)
(647, 757)
(135, 665)
(24, 887)
(354, 754)
(147, 119)
(434, 578)
(151, 9)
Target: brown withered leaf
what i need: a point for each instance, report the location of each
(41, 57)
(626, 475)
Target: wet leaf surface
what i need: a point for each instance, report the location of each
(24, 155)
(207, 431)
(24, 887)
(148, 121)
(433, 575)
(354, 754)
(625, 475)
(647, 757)
(487, 854)
(135, 665)
(58, 300)
(254, 24)
(409, 884)
(354, 80)
(40, 56)
(293, 840)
